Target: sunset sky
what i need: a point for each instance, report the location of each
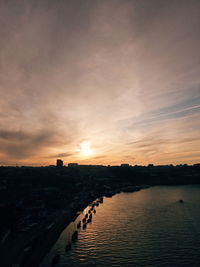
(99, 81)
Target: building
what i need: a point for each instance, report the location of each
(125, 165)
(59, 163)
(72, 164)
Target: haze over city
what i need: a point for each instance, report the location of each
(99, 82)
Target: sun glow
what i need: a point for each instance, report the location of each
(85, 149)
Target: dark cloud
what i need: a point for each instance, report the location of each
(62, 155)
(23, 145)
(13, 135)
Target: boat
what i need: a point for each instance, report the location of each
(84, 225)
(89, 220)
(101, 200)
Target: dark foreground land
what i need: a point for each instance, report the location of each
(36, 204)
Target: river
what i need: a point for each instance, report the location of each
(145, 228)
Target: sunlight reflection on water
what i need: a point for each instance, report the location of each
(145, 228)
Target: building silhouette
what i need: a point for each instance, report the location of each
(72, 164)
(125, 165)
(59, 163)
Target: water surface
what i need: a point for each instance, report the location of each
(145, 228)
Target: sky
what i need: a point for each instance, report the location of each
(99, 82)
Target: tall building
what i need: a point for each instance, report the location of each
(59, 163)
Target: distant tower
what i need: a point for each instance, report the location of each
(59, 163)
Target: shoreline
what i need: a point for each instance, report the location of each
(46, 240)
(37, 246)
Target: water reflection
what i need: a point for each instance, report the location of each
(145, 228)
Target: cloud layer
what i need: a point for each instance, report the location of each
(122, 75)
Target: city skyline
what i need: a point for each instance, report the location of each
(100, 82)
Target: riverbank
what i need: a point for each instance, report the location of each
(42, 244)
(47, 239)
(65, 221)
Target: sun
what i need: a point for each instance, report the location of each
(85, 149)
